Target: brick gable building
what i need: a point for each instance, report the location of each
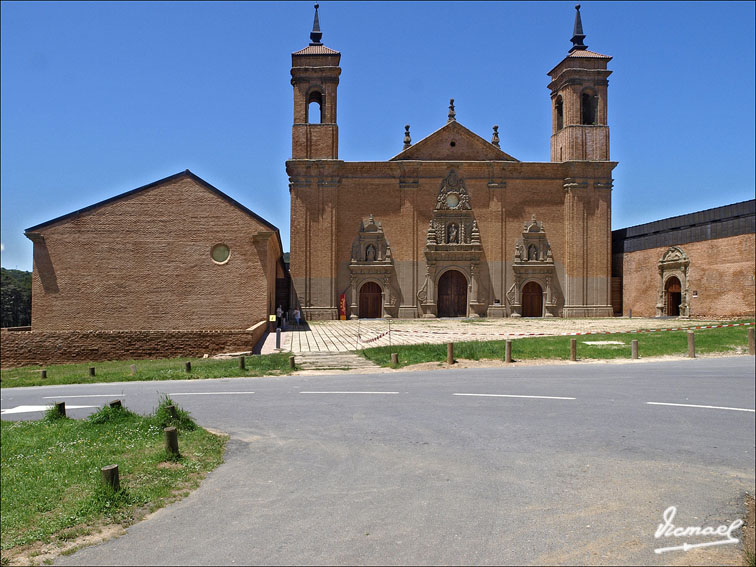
(174, 254)
(453, 225)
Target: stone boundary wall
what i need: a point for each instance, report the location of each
(23, 348)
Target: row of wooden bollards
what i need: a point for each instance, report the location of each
(110, 472)
(187, 367)
(507, 355)
(573, 349)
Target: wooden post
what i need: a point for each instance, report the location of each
(171, 441)
(634, 345)
(394, 358)
(508, 351)
(573, 349)
(691, 344)
(188, 366)
(450, 353)
(133, 369)
(44, 372)
(172, 411)
(751, 342)
(110, 477)
(116, 404)
(242, 365)
(292, 364)
(61, 408)
(91, 371)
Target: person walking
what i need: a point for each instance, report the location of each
(297, 315)
(279, 316)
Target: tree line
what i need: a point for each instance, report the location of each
(15, 297)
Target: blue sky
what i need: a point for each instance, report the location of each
(100, 98)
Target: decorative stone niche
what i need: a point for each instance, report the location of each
(674, 263)
(452, 242)
(372, 262)
(533, 262)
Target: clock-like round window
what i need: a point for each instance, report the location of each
(452, 200)
(220, 253)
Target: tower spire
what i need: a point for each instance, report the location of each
(316, 34)
(577, 34)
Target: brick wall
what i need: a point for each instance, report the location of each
(329, 199)
(721, 271)
(143, 262)
(22, 348)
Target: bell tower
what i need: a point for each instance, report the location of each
(315, 77)
(578, 102)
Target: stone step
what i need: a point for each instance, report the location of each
(332, 361)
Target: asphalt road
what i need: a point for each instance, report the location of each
(414, 473)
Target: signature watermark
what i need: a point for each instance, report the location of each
(668, 529)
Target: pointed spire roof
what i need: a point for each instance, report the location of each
(316, 46)
(577, 34)
(316, 35)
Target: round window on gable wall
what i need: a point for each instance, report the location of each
(220, 253)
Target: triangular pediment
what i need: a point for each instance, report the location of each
(453, 142)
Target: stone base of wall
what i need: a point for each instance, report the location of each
(587, 311)
(320, 313)
(23, 348)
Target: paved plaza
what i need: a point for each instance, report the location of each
(345, 336)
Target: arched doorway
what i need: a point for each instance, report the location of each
(532, 300)
(370, 301)
(673, 291)
(452, 294)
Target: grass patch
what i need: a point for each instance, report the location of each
(52, 489)
(721, 340)
(160, 369)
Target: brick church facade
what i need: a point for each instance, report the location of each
(453, 225)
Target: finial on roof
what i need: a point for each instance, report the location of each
(452, 114)
(316, 34)
(577, 34)
(495, 137)
(407, 139)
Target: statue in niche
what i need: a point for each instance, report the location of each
(370, 253)
(532, 252)
(453, 234)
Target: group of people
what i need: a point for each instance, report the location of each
(282, 317)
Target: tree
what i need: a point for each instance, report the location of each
(15, 298)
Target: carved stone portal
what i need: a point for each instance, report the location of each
(533, 262)
(372, 262)
(673, 264)
(452, 242)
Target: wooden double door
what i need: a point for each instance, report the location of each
(452, 294)
(370, 301)
(532, 300)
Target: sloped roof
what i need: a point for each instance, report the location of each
(468, 146)
(589, 54)
(185, 173)
(316, 50)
